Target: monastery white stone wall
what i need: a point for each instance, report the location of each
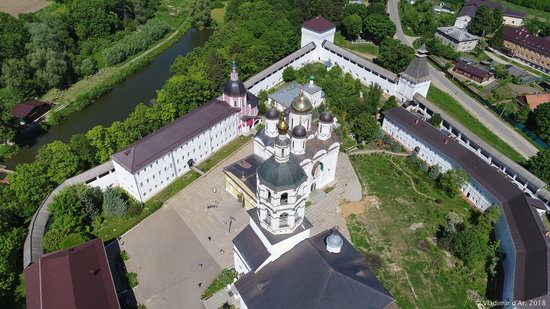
(478, 195)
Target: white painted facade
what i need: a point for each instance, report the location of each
(151, 179)
(462, 21)
(472, 190)
(513, 21)
(401, 88)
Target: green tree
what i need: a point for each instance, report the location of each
(390, 103)
(81, 147)
(452, 181)
(394, 56)
(13, 36)
(522, 114)
(378, 27)
(497, 40)
(114, 203)
(186, 92)
(352, 26)
(435, 120)
(31, 184)
(541, 116)
(364, 127)
(17, 75)
(540, 165)
(10, 246)
(356, 9)
(60, 162)
(199, 12)
(94, 18)
(484, 22)
(376, 8)
(289, 74)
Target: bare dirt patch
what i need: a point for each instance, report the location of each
(15, 7)
(357, 208)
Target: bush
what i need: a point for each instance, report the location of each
(216, 4)
(124, 255)
(451, 181)
(289, 74)
(114, 204)
(73, 240)
(226, 277)
(133, 43)
(7, 151)
(132, 279)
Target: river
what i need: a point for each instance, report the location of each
(119, 102)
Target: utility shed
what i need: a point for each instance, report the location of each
(78, 277)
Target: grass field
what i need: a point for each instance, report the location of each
(528, 11)
(218, 14)
(368, 50)
(396, 236)
(453, 108)
(15, 7)
(114, 227)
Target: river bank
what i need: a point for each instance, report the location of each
(140, 85)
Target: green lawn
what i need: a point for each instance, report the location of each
(218, 14)
(417, 273)
(455, 110)
(226, 277)
(111, 228)
(369, 50)
(528, 11)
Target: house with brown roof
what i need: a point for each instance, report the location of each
(473, 72)
(31, 110)
(78, 277)
(520, 43)
(534, 100)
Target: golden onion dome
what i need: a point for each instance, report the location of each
(282, 126)
(301, 104)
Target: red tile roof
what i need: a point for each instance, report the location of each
(523, 37)
(78, 277)
(534, 100)
(23, 109)
(319, 24)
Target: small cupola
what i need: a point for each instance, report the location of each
(334, 242)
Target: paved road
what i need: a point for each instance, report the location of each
(502, 129)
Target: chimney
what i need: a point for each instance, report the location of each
(445, 141)
(416, 121)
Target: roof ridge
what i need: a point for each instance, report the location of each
(362, 284)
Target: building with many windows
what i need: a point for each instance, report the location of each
(459, 39)
(520, 43)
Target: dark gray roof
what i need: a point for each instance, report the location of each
(251, 247)
(299, 131)
(234, 88)
(245, 170)
(456, 34)
(155, 145)
(308, 276)
(272, 113)
(326, 116)
(281, 176)
(251, 99)
(531, 273)
(417, 71)
(286, 95)
(277, 238)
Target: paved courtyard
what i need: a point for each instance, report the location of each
(167, 247)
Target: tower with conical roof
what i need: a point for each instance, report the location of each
(416, 77)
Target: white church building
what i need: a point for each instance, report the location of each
(279, 264)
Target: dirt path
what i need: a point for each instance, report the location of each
(16, 7)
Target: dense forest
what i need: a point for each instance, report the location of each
(63, 43)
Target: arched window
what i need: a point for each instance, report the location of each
(283, 220)
(284, 198)
(268, 194)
